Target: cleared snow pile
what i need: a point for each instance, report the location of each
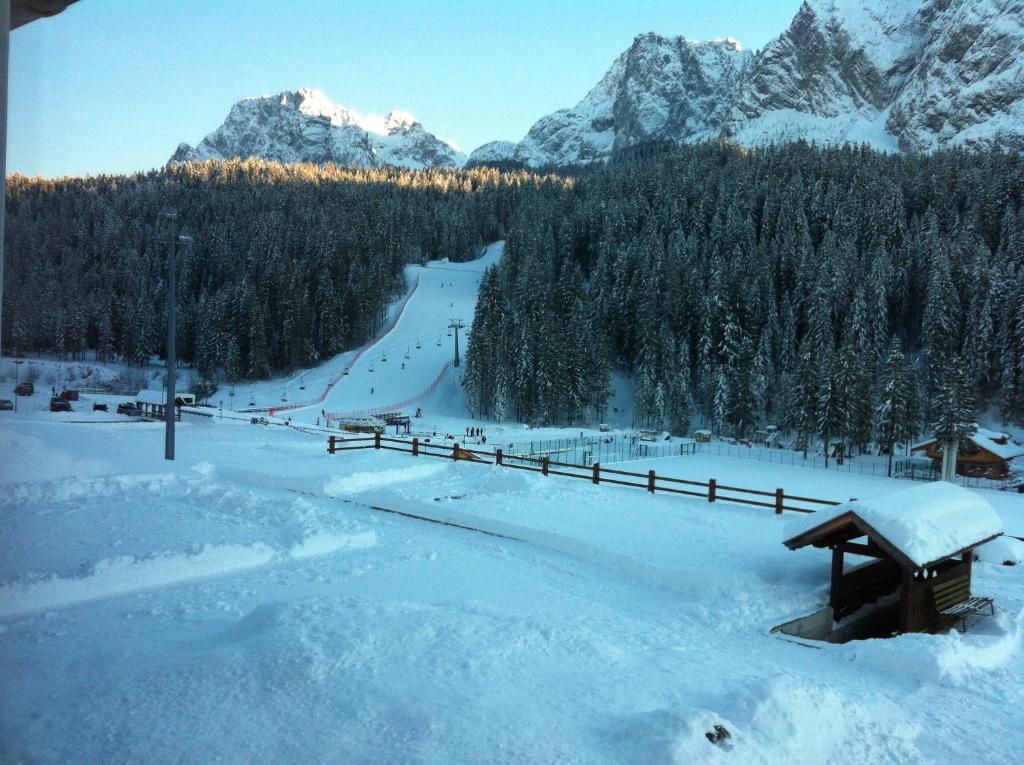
(961, 658)
(779, 720)
(1005, 551)
(366, 481)
(119, 576)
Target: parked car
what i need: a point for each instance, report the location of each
(128, 408)
(98, 407)
(25, 389)
(57, 404)
(6, 403)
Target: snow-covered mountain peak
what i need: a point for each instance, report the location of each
(896, 74)
(658, 85)
(399, 120)
(304, 125)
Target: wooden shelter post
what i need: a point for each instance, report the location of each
(834, 598)
(906, 600)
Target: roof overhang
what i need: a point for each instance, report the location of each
(26, 11)
(829, 533)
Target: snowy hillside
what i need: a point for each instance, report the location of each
(896, 74)
(304, 126)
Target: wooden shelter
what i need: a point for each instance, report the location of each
(919, 543)
(153, 403)
(983, 453)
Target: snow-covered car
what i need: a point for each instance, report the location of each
(57, 404)
(24, 389)
(6, 403)
(128, 408)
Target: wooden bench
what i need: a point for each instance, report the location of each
(954, 603)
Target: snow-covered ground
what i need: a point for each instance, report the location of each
(259, 600)
(246, 604)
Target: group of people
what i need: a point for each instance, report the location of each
(476, 433)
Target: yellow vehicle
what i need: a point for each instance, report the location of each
(363, 425)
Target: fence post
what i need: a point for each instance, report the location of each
(544, 464)
(331, 447)
(498, 456)
(779, 497)
(712, 488)
(415, 447)
(376, 440)
(597, 473)
(650, 481)
(455, 451)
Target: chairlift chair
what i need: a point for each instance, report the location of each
(407, 352)
(417, 344)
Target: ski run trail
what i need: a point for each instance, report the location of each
(260, 601)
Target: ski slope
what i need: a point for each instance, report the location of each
(398, 366)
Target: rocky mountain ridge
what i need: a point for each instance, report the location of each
(900, 75)
(304, 126)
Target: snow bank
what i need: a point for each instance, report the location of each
(360, 482)
(39, 461)
(124, 575)
(950, 659)
(1003, 551)
(777, 720)
(927, 522)
(961, 658)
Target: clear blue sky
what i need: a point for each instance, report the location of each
(115, 85)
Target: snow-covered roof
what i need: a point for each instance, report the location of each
(997, 443)
(919, 526)
(992, 441)
(154, 396)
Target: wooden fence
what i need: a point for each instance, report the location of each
(710, 490)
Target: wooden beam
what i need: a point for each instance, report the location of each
(837, 578)
(906, 598)
(870, 549)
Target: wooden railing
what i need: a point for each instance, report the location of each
(710, 490)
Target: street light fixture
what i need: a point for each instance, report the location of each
(17, 379)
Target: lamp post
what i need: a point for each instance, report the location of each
(17, 379)
(172, 360)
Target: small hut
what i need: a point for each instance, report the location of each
(918, 543)
(153, 403)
